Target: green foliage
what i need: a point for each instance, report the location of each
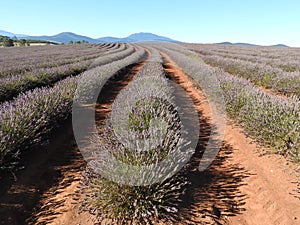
(2, 37)
(22, 42)
(125, 204)
(140, 120)
(289, 68)
(266, 80)
(29, 41)
(7, 42)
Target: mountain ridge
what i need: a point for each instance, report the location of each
(63, 37)
(66, 37)
(248, 44)
(9, 34)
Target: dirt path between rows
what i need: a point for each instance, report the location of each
(263, 191)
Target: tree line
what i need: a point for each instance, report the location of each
(14, 41)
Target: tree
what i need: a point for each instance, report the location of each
(7, 42)
(71, 42)
(22, 42)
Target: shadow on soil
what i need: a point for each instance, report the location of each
(213, 194)
(44, 167)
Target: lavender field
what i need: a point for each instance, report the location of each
(41, 87)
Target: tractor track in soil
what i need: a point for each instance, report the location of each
(242, 185)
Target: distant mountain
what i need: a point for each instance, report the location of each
(224, 43)
(138, 37)
(248, 44)
(245, 44)
(9, 34)
(239, 43)
(280, 45)
(64, 37)
(142, 37)
(110, 39)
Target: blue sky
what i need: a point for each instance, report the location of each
(204, 21)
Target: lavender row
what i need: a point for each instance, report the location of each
(12, 86)
(30, 117)
(132, 136)
(259, 74)
(95, 78)
(116, 48)
(154, 54)
(264, 52)
(115, 55)
(271, 119)
(284, 58)
(287, 63)
(27, 119)
(24, 59)
(20, 60)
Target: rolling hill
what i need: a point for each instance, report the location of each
(66, 37)
(247, 44)
(9, 34)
